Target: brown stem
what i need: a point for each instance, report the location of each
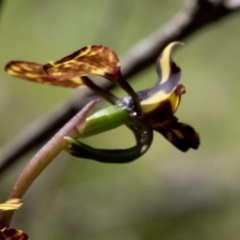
(45, 156)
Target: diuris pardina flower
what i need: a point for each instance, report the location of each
(150, 109)
(11, 233)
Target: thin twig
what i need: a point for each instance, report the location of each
(1, 4)
(195, 15)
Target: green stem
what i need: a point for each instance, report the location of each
(45, 156)
(104, 120)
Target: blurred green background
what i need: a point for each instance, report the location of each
(165, 194)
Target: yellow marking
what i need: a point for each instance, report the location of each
(98, 72)
(156, 99)
(30, 75)
(81, 86)
(27, 68)
(178, 133)
(57, 74)
(174, 100)
(15, 68)
(165, 61)
(152, 102)
(13, 73)
(51, 63)
(87, 50)
(169, 136)
(78, 81)
(11, 204)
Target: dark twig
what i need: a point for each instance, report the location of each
(192, 18)
(1, 4)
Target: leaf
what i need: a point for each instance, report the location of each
(34, 72)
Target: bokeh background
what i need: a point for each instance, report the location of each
(166, 194)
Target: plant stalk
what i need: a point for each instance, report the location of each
(45, 156)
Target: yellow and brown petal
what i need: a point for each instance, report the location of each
(12, 234)
(34, 72)
(98, 60)
(72, 70)
(67, 72)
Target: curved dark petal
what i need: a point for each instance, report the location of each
(82, 150)
(169, 76)
(34, 72)
(168, 72)
(143, 135)
(181, 135)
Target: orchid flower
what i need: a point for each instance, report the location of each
(142, 112)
